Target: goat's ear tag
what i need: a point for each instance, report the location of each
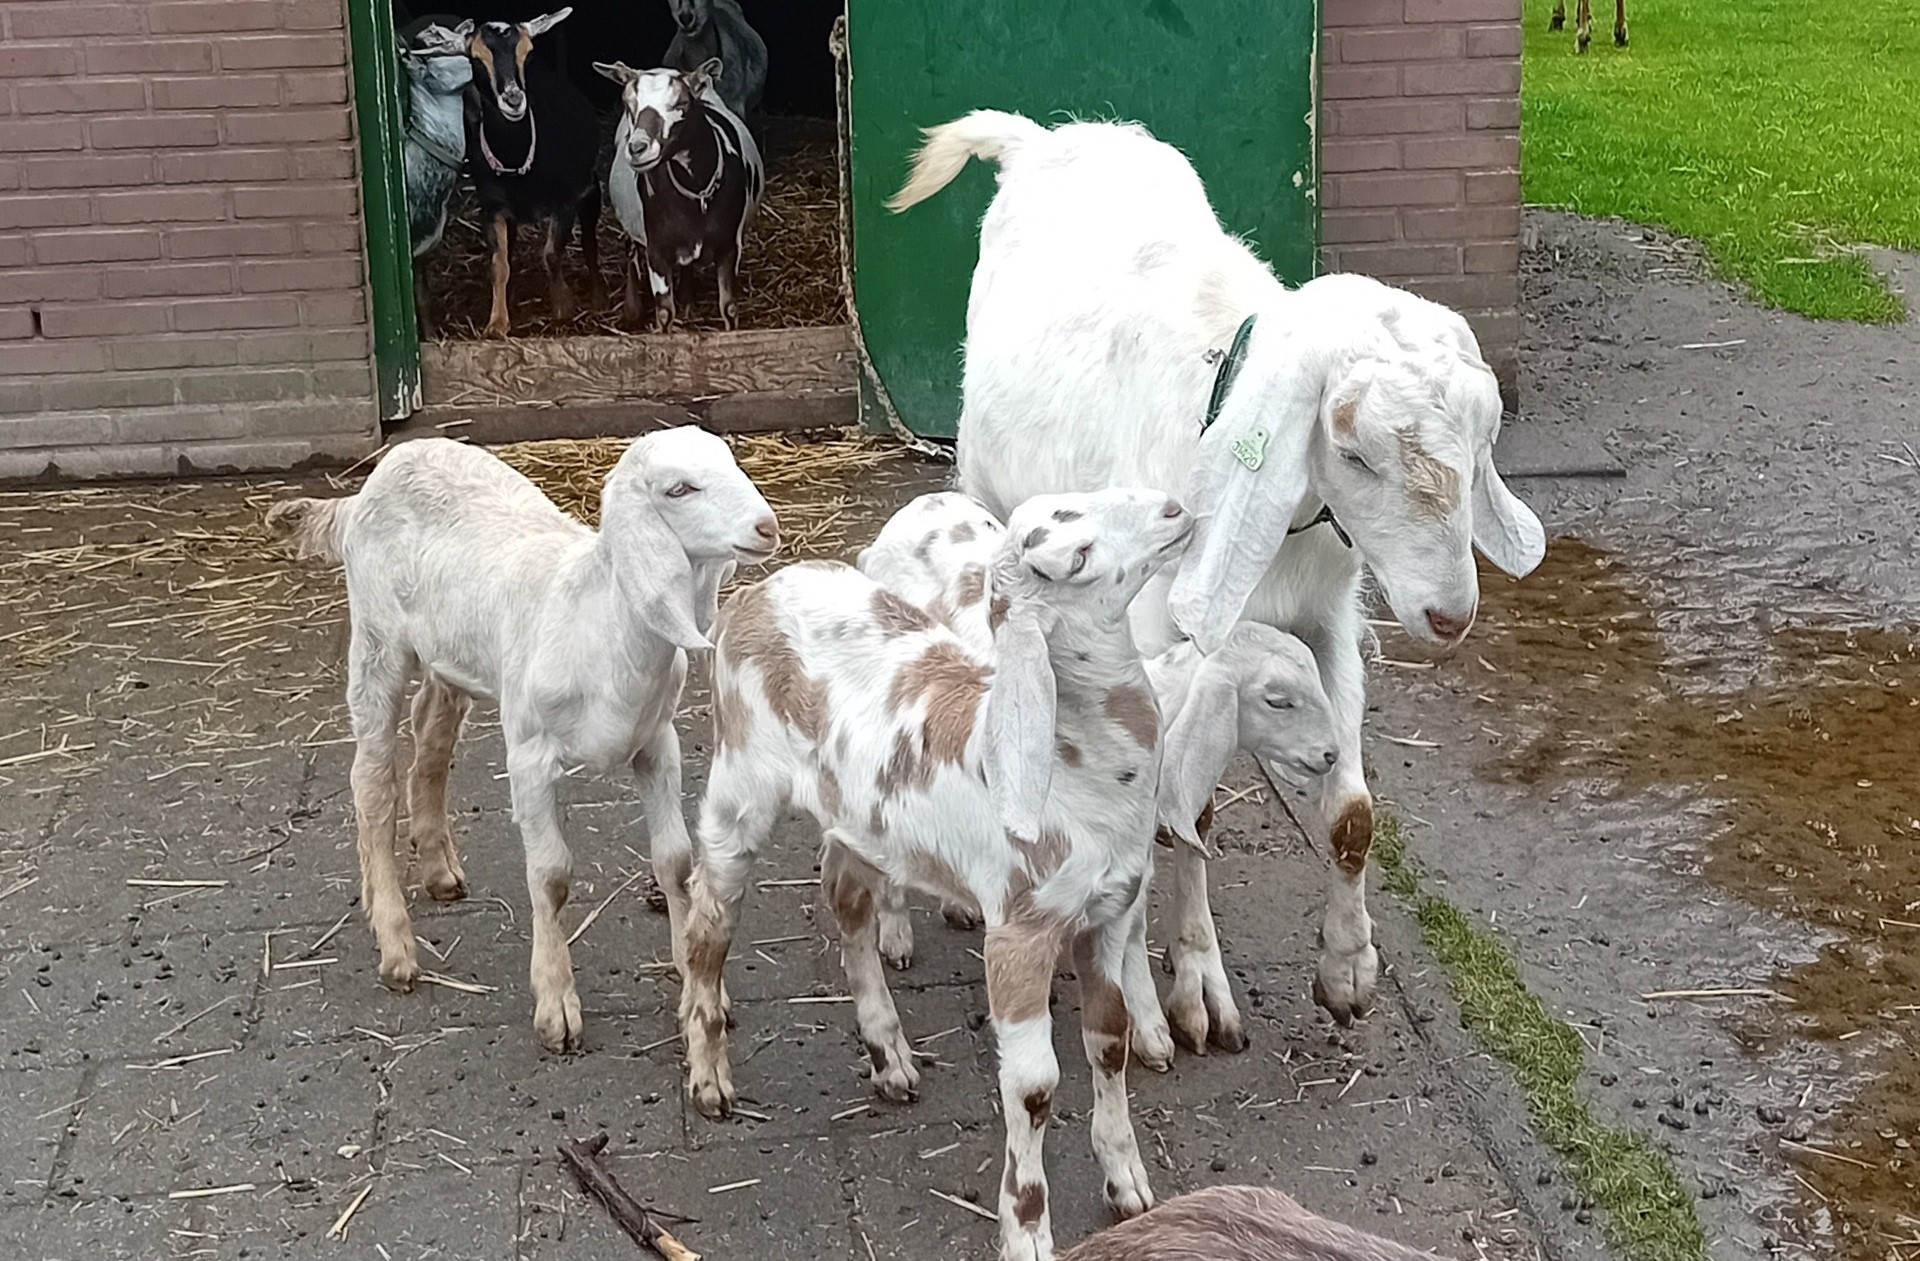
(1251, 450)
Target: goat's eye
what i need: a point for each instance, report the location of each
(682, 490)
(1279, 702)
(1357, 460)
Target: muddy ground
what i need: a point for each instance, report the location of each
(1678, 758)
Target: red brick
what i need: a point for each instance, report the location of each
(69, 21)
(162, 205)
(66, 211)
(230, 240)
(300, 275)
(219, 313)
(1501, 256)
(95, 246)
(342, 309)
(274, 52)
(40, 356)
(1499, 114)
(225, 166)
(311, 15)
(221, 18)
(1488, 77)
(1493, 41)
(1348, 227)
(286, 126)
(1338, 156)
(1428, 188)
(330, 238)
(16, 324)
(42, 135)
(175, 351)
(174, 131)
(1390, 118)
(1463, 223)
(53, 284)
(1462, 152)
(216, 91)
(1347, 83)
(324, 164)
(1418, 43)
(1497, 187)
(38, 61)
(103, 319)
(173, 56)
(96, 170)
(81, 96)
(1360, 12)
(170, 281)
(315, 87)
(1463, 10)
(1401, 260)
(302, 201)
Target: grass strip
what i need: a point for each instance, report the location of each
(1646, 1212)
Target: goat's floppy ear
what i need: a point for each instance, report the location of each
(464, 31)
(1247, 480)
(702, 77)
(664, 593)
(546, 21)
(1020, 720)
(1199, 742)
(1505, 530)
(619, 71)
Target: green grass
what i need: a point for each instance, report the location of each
(1780, 133)
(1648, 1214)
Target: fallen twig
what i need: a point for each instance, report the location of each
(1715, 993)
(968, 1205)
(583, 1159)
(339, 1228)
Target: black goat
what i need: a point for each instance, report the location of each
(685, 180)
(531, 142)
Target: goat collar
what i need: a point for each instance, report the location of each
(1226, 371)
(722, 145)
(445, 155)
(533, 144)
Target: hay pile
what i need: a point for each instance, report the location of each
(789, 274)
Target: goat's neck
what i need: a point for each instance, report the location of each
(1171, 674)
(1091, 656)
(510, 142)
(693, 157)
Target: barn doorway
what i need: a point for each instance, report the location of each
(786, 364)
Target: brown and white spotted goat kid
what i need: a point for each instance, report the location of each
(1237, 1224)
(1023, 780)
(685, 182)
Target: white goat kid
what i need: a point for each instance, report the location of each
(1260, 694)
(1025, 783)
(461, 571)
(1105, 296)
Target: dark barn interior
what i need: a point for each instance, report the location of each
(790, 272)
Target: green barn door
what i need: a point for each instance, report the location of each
(383, 195)
(1229, 82)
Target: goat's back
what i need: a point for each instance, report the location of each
(1237, 1224)
(936, 553)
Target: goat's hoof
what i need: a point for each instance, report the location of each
(960, 917)
(557, 1022)
(1344, 985)
(900, 1085)
(400, 974)
(449, 884)
(1189, 1026)
(1228, 1036)
(1558, 22)
(896, 941)
(712, 1098)
(1127, 1192)
(1620, 38)
(496, 328)
(1152, 1044)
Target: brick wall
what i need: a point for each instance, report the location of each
(181, 278)
(1420, 155)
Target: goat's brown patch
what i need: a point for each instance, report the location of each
(904, 767)
(559, 889)
(830, 799)
(849, 889)
(1041, 858)
(1103, 1009)
(674, 870)
(971, 586)
(895, 616)
(1029, 1201)
(1344, 412)
(877, 820)
(1068, 752)
(997, 612)
(1134, 710)
(1352, 836)
(1020, 953)
(1432, 486)
(478, 50)
(962, 532)
(1036, 536)
(730, 719)
(950, 684)
(521, 48)
(749, 631)
(1039, 1105)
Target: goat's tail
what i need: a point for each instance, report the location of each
(317, 528)
(988, 134)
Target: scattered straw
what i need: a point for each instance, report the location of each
(203, 1192)
(465, 987)
(339, 1228)
(968, 1205)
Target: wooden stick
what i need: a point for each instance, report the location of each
(628, 1213)
(1726, 992)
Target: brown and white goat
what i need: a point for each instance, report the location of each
(1025, 781)
(1583, 22)
(1237, 1224)
(685, 181)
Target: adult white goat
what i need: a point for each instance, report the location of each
(461, 571)
(1260, 693)
(1024, 783)
(1107, 306)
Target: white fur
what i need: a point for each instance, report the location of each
(460, 571)
(1045, 757)
(1105, 282)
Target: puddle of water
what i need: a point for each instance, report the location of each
(1812, 750)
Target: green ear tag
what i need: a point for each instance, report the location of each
(1251, 450)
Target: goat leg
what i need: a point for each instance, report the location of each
(559, 297)
(1559, 20)
(660, 282)
(502, 246)
(634, 263)
(1619, 23)
(590, 247)
(1583, 29)
(725, 273)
